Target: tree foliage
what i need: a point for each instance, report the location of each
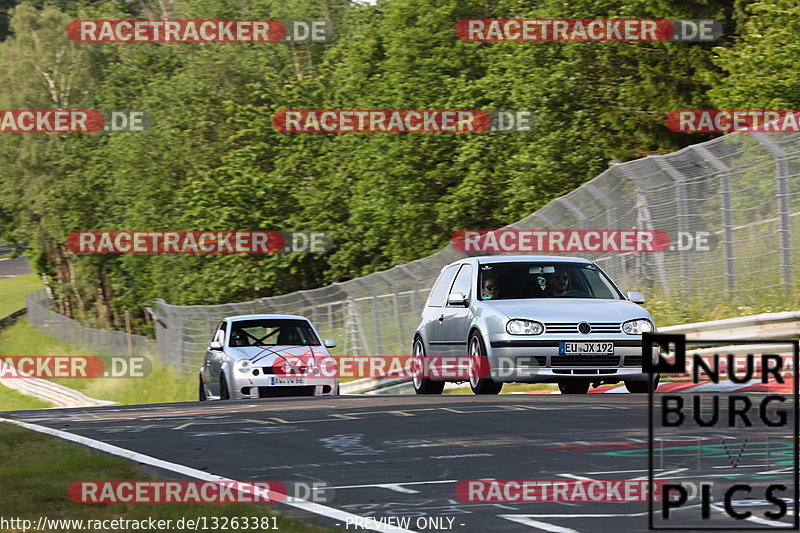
(213, 160)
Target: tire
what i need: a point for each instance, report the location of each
(641, 387)
(574, 386)
(202, 393)
(224, 394)
(423, 385)
(479, 365)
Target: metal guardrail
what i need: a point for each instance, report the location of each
(13, 317)
(765, 326)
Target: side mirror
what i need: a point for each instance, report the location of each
(456, 298)
(215, 346)
(636, 297)
(330, 343)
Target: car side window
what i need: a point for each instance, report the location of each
(463, 282)
(219, 335)
(439, 292)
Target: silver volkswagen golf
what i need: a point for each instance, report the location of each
(532, 319)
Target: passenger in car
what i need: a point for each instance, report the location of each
(490, 290)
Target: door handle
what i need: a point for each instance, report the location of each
(441, 318)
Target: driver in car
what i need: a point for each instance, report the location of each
(239, 339)
(558, 283)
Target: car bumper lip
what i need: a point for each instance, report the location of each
(554, 343)
(544, 375)
(253, 383)
(505, 354)
(265, 381)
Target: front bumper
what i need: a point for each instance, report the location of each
(538, 361)
(248, 386)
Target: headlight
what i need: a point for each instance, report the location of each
(524, 327)
(637, 327)
(243, 365)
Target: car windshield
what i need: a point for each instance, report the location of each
(272, 332)
(506, 281)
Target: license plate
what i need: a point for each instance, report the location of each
(586, 348)
(286, 381)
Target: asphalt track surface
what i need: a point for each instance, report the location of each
(13, 267)
(403, 455)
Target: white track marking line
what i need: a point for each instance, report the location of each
(544, 526)
(595, 515)
(573, 476)
(619, 471)
(398, 487)
(757, 520)
(316, 508)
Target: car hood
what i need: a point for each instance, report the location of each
(266, 355)
(569, 309)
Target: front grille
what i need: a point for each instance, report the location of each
(534, 360)
(633, 360)
(278, 392)
(583, 360)
(572, 327)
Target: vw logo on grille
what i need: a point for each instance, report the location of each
(584, 328)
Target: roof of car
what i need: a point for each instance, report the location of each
(483, 259)
(514, 258)
(257, 317)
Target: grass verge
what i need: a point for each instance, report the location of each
(11, 400)
(37, 470)
(14, 290)
(160, 386)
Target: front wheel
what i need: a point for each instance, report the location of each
(480, 375)
(223, 388)
(202, 393)
(574, 386)
(640, 387)
(423, 385)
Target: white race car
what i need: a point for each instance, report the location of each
(260, 356)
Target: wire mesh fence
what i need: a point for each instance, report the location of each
(105, 341)
(740, 188)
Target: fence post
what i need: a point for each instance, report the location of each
(783, 207)
(395, 306)
(128, 332)
(683, 214)
(645, 221)
(577, 213)
(727, 212)
(611, 219)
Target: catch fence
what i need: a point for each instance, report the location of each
(740, 189)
